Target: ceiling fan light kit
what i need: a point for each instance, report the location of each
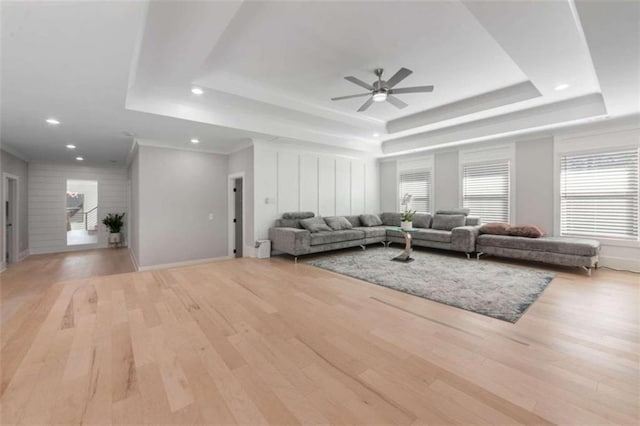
(381, 90)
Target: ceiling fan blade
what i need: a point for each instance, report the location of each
(366, 105)
(396, 102)
(339, 98)
(359, 82)
(417, 89)
(399, 76)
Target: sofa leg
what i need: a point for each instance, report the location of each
(587, 269)
(295, 259)
(478, 254)
(363, 247)
(468, 255)
(596, 266)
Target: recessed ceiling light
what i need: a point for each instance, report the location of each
(70, 146)
(79, 159)
(375, 135)
(197, 91)
(195, 141)
(52, 121)
(561, 86)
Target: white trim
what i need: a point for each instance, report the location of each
(622, 263)
(231, 234)
(133, 259)
(3, 267)
(23, 255)
(486, 155)
(14, 257)
(185, 263)
(15, 153)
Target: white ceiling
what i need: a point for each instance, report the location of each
(269, 70)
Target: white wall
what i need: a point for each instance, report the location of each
(17, 167)
(298, 176)
(47, 203)
(177, 191)
(242, 162)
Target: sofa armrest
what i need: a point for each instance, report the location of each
(463, 238)
(290, 240)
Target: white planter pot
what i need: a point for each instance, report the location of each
(406, 225)
(114, 238)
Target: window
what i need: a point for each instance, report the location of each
(419, 184)
(486, 190)
(599, 194)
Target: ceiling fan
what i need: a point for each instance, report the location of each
(382, 90)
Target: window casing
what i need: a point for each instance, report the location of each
(486, 190)
(599, 194)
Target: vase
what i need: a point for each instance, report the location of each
(114, 238)
(406, 224)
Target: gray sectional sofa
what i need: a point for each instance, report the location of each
(440, 231)
(288, 236)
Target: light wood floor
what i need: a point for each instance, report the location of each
(252, 341)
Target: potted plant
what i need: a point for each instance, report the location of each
(114, 223)
(407, 215)
(407, 219)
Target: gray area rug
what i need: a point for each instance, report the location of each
(487, 288)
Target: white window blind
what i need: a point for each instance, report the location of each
(486, 190)
(599, 194)
(417, 183)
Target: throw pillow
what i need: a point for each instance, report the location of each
(314, 224)
(338, 223)
(464, 212)
(298, 215)
(391, 219)
(421, 220)
(446, 222)
(529, 231)
(370, 220)
(495, 228)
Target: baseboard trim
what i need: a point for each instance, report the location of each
(3, 267)
(23, 255)
(133, 259)
(621, 263)
(185, 263)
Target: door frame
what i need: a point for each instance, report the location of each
(15, 254)
(231, 209)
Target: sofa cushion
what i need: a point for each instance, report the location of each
(529, 231)
(315, 224)
(373, 231)
(297, 215)
(338, 223)
(446, 222)
(318, 238)
(288, 223)
(370, 220)
(391, 219)
(495, 228)
(354, 220)
(563, 245)
(464, 212)
(422, 220)
(432, 235)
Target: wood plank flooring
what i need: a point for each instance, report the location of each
(251, 342)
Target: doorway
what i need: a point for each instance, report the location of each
(11, 219)
(236, 215)
(82, 212)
